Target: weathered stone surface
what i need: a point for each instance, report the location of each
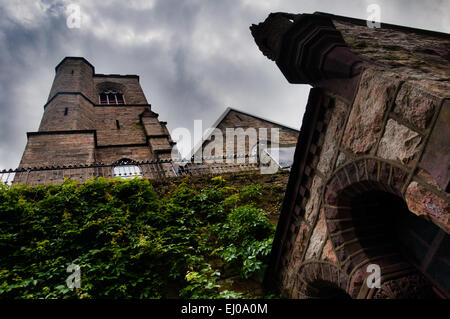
(328, 253)
(290, 271)
(73, 75)
(415, 105)
(113, 154)
(365, 124)
(299, 244)
(356, 282)
(317, 238)
(398, 143)
(414, 286)
(312, 207)
(423, 59)
(68, 112)
(423, 202)
(47, 149)
(438, 86)
(341, 159)
(330, 144)
(131, 130)
(417, 60)
(436, 157)
(428, 179)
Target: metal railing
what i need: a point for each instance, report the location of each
(154, 170)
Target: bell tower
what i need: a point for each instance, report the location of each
(95, 118)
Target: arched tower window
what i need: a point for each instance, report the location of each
(111, 97)
(126, 169)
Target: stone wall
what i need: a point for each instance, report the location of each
(386, 129)
(68, 112)
(53, 148)
(111, 154)
(73, 75)
(238, 120)
(374, 142)
(421, 57)
(130, 131)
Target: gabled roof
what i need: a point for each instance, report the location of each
(209, 132)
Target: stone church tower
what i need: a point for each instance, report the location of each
(95, 118)
(367, 208)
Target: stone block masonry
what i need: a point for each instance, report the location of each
(370, 179)
(77, 129)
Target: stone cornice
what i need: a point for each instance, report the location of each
(307, 48)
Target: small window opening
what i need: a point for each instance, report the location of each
(111, 98)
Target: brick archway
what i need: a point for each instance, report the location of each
(359, 201)
(351, 180)
(321, 280)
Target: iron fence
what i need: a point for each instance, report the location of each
(153, 170)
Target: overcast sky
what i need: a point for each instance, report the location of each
(194, 57)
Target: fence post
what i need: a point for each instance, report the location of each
(160, 169)
(173, 168)
(26, 177)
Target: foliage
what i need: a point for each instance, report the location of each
(128, 241)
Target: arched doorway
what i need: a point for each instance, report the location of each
(385, 227)
(369, 223)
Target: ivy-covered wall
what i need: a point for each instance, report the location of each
(190, 238)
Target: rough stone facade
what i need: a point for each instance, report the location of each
(370, 179)
(76, 129)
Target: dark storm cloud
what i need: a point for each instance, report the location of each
(25, 80)
(194, 58)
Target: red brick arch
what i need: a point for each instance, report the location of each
(315, 276)
(354, 253)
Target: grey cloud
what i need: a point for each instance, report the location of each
(194, 58)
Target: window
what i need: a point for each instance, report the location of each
(126, 169)
(110, 97)
(283, 156)
(66, 110)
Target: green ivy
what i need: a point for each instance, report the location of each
(128, 241)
